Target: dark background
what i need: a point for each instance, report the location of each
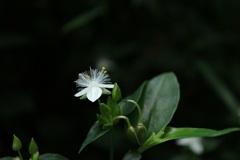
(44, 44)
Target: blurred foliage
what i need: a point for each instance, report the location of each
(44, 44)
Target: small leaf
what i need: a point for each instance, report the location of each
(94, 133)
(132, 155)
(52, 156)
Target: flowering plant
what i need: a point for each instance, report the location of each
(146, 113)
(155, 103)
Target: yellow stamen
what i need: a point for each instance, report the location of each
(103, 68)
(79, 74)
(104, 72)
(87, 76)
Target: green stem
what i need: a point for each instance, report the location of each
(111, 155)
(99, 102)
(138, 108)
(125, 118)
(20, 155)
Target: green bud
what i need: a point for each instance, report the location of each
(102, 120)
(105, 110)
(141, 132)
(131, 133)
(105, 91)
(35, 156)
(110, 102)
(116, 93)
(17, 145)
(33, 148)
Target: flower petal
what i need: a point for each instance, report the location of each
(94, 93)
(82, 92)
(106, 85)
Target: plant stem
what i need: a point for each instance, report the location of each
(111, 155)
(20, 155)
(125, 118)
(138, 108)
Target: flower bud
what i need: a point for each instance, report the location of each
(33, 148)
(105, 91)
(116, 93)
(35, 156)
(105, 110)
(17, 145)
(102, 120)
(141, 132)
(131, 133)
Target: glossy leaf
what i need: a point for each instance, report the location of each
(94, 133)
(160, 102)
(132, 155)
(126, 108)
(52, 156)
(177, 133)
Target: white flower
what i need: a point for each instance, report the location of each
(92, 82)
(195, 144)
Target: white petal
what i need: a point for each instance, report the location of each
(195, 144)
(197, 147)
(94, 93)
(106, 85)
(82, 92)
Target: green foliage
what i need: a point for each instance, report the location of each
(33, 148)
(160, 101)
(17, 144)
(94, 133)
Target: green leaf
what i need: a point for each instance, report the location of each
(84, 19)
(52, 156)
(177, 133)
(160, 101)
(171, 133)
(94, 133)
(126, 108)
(132, 155)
